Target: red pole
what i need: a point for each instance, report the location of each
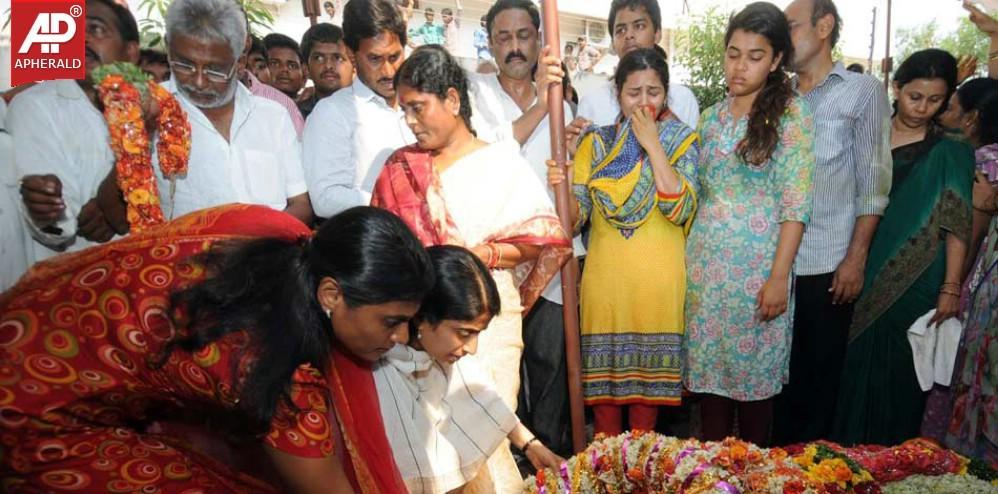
(570, 272)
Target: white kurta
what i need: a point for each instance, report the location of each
(442, 421)
(347, 138)
(58, 131)
(260, 163)
(13, 258)
(493, 116)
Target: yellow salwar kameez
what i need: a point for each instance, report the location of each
(634, 282)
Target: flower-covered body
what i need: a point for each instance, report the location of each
(648, 463)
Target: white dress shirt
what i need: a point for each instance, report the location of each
(58, 131)
(492, 118)
(348, 137)
(13, 259)
(259, 164)
(601, 107)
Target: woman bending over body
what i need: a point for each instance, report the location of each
(457, 418)
(270, 330)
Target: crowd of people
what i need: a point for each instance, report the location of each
(358, 286)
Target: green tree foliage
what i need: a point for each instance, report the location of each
(700, 48)
(965, 40)
(152, 28)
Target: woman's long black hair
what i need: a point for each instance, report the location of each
(464, 289)
(268, 288)
(763, 133)
(431, 69)
(986, 130)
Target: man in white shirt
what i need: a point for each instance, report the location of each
(634, 24)
(349, 135)
(62, 148)
(588, 56)
(452, 26)
(510, 106)
(243, 148)
(13, 258)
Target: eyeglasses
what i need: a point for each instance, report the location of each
(188, 70)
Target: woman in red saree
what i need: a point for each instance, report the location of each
(453, 189)
(272, 331)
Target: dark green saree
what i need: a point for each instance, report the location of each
(880, 400)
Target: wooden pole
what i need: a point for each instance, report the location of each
(570, 272)
(311, 10)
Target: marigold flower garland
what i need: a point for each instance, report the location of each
(122, 88)
(648, 463)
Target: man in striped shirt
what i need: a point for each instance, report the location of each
(852, 180)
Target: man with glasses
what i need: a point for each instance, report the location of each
(243, 148)
(326, 62)
(62, 149)
(350, 134)
(285, 64)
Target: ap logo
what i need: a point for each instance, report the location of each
(49, 37)
(51, 30)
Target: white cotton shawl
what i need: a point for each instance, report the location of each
(442, 421)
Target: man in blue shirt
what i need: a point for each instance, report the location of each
(852, 179)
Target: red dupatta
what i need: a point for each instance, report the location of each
(410, 187)
(371, 468)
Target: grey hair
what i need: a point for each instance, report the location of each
(221, 20)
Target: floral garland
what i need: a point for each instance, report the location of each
(123, 88)
(834, 471)
(648, 463)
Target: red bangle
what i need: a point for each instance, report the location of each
(491, 262)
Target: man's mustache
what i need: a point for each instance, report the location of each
(515, 54)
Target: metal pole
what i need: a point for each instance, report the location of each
(873, 39)
(570, 272)
(888, 64)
